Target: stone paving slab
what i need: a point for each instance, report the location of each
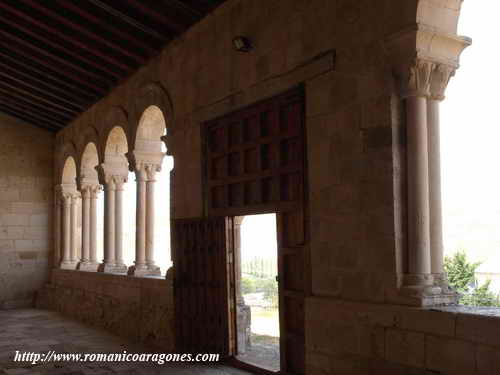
(40, 331)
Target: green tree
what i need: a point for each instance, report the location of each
(461, 275)
(247, 285)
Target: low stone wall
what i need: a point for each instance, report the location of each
(138, 308)
(357, 338)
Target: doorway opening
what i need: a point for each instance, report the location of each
(257, 292)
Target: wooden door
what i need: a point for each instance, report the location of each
(203, 255)
(254, 164)
(293, 281)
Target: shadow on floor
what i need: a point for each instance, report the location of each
(40, 331)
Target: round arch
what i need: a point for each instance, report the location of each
(112, 117)
(68, 150)
(68, 175)
(88, 163)
(116, 146)
(150, 130)
(148, 96)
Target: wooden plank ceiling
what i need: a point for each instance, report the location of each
(58, 57)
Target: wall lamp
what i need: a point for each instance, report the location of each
(242, 44)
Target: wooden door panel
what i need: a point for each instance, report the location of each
(292, 288)
(255, 157)
(202, 290)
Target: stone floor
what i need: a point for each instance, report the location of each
(41, 331)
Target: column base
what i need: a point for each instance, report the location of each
(88, 266)
(144, 270)
(68, 265)
(112, 268)
(424, 291)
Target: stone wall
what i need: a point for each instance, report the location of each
(137, 308)
(26, 173)
(364, 339)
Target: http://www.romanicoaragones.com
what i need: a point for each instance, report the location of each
(158, 358)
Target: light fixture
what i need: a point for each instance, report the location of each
(242, 44)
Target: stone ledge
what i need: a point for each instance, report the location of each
(112, 301)
(473, 310)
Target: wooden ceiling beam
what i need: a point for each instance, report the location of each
(74, 76)
(173, 24)
(56, 77)
(15, 83)
(129, 38)
(21, 107)
(52, 41)
(127, 19)
(20, 75)
(194, 13)
(54, 57)
(42, 103)
(75, 26)
(29, 119)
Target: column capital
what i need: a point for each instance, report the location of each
(91, 191)
(415, 51)
(113, 173)
(146, 164)
(440, 77)
(66, 198)
(118, 181)
(414, 79)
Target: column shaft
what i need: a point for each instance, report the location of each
(74, 223)
(58, 231)
(109, 225)
(66, 228)
(150, 222)
(140, 234)
(93, 229)
(119, 227)
(86, 230)
(436, 224)
(418, 187)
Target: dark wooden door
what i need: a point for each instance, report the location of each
(203, 255)
(255, 163)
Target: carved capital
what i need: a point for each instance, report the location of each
(113, 174)
(66, 198)
(440, 77)
(146, 171)
(91, 191)
(119, 180)
(415, 79)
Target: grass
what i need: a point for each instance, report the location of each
(265, 340)
(267, 314)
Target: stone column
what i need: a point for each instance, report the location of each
(120, 266)
(416, 91)
(439, 80)
(139, 268)
(109, 226)
(75, 198)
(151, 170)
(94, 194)
(85, 226)
(145, 165)
(66, 232)
(89, 228)
(243, 311)
(57, 228)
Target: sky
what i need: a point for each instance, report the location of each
(470, 142)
